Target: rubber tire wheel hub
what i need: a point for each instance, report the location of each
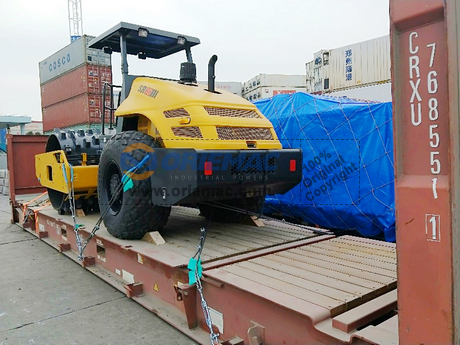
(135, 215)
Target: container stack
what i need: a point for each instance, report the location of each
(269, 85)
(71, 84)
(229, 86)
(4, 182)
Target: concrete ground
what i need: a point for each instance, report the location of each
(45, 298)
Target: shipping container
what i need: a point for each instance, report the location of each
(84, 108)
(84, 79)
(317, 71)
(377, 92)
(229, 86)
(357, 64)
(70, 57)
(270, 91)
(273, 80)
(87, 126)
(34, 127)
(3, 161)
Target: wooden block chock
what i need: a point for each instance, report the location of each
(255, 221)
(80, 212)
(154, 237)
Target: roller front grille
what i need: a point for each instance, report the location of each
(244, 133)
(188, 132)
(176, 113)
(226, 112)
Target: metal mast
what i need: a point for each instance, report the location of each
(75, 19)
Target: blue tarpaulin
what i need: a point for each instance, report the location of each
(3, 139)
(348, 172)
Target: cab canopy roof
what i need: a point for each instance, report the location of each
(153, 43)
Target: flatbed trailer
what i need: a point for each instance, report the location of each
(274, 284)
(299, 287)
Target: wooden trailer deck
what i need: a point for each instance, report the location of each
(279, 282)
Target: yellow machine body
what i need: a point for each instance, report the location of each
(179, 116)
(53, 171)
(223, 149)
(189, 116)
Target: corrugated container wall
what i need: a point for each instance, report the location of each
(81, 109)
(374, 92)
(229, 86)
(316, 71)
(70, 57)
(281, 80)
(357, 64)
(84, 79)
(87, 126)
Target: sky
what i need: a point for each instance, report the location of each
(249, 37)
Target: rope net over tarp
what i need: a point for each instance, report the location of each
(348, 171)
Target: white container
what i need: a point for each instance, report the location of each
(34, 127)
(357, 64)
(2, 182)
(3, 173)
(71, 56)
(376, 92)
(263, 92)
(316, 71)
(281, 80)
(6, 190)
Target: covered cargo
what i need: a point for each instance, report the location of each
(348, 173)
(84, 108)
(2, 140)
(70, 57)
(84, 79)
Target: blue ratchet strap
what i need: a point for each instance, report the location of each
(71, 172)
(126, 179)
(77, 226)
(65, 174)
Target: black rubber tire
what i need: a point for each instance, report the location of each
(132, 215)
(221, 215)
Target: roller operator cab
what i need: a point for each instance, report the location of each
(177, 143)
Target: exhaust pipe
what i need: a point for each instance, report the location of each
(211, 74)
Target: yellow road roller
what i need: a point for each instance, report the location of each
(176, 143)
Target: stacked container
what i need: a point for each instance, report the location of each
(268, 85)
(229, 86)
(4, 182)
(71, 84)
(356, 65)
